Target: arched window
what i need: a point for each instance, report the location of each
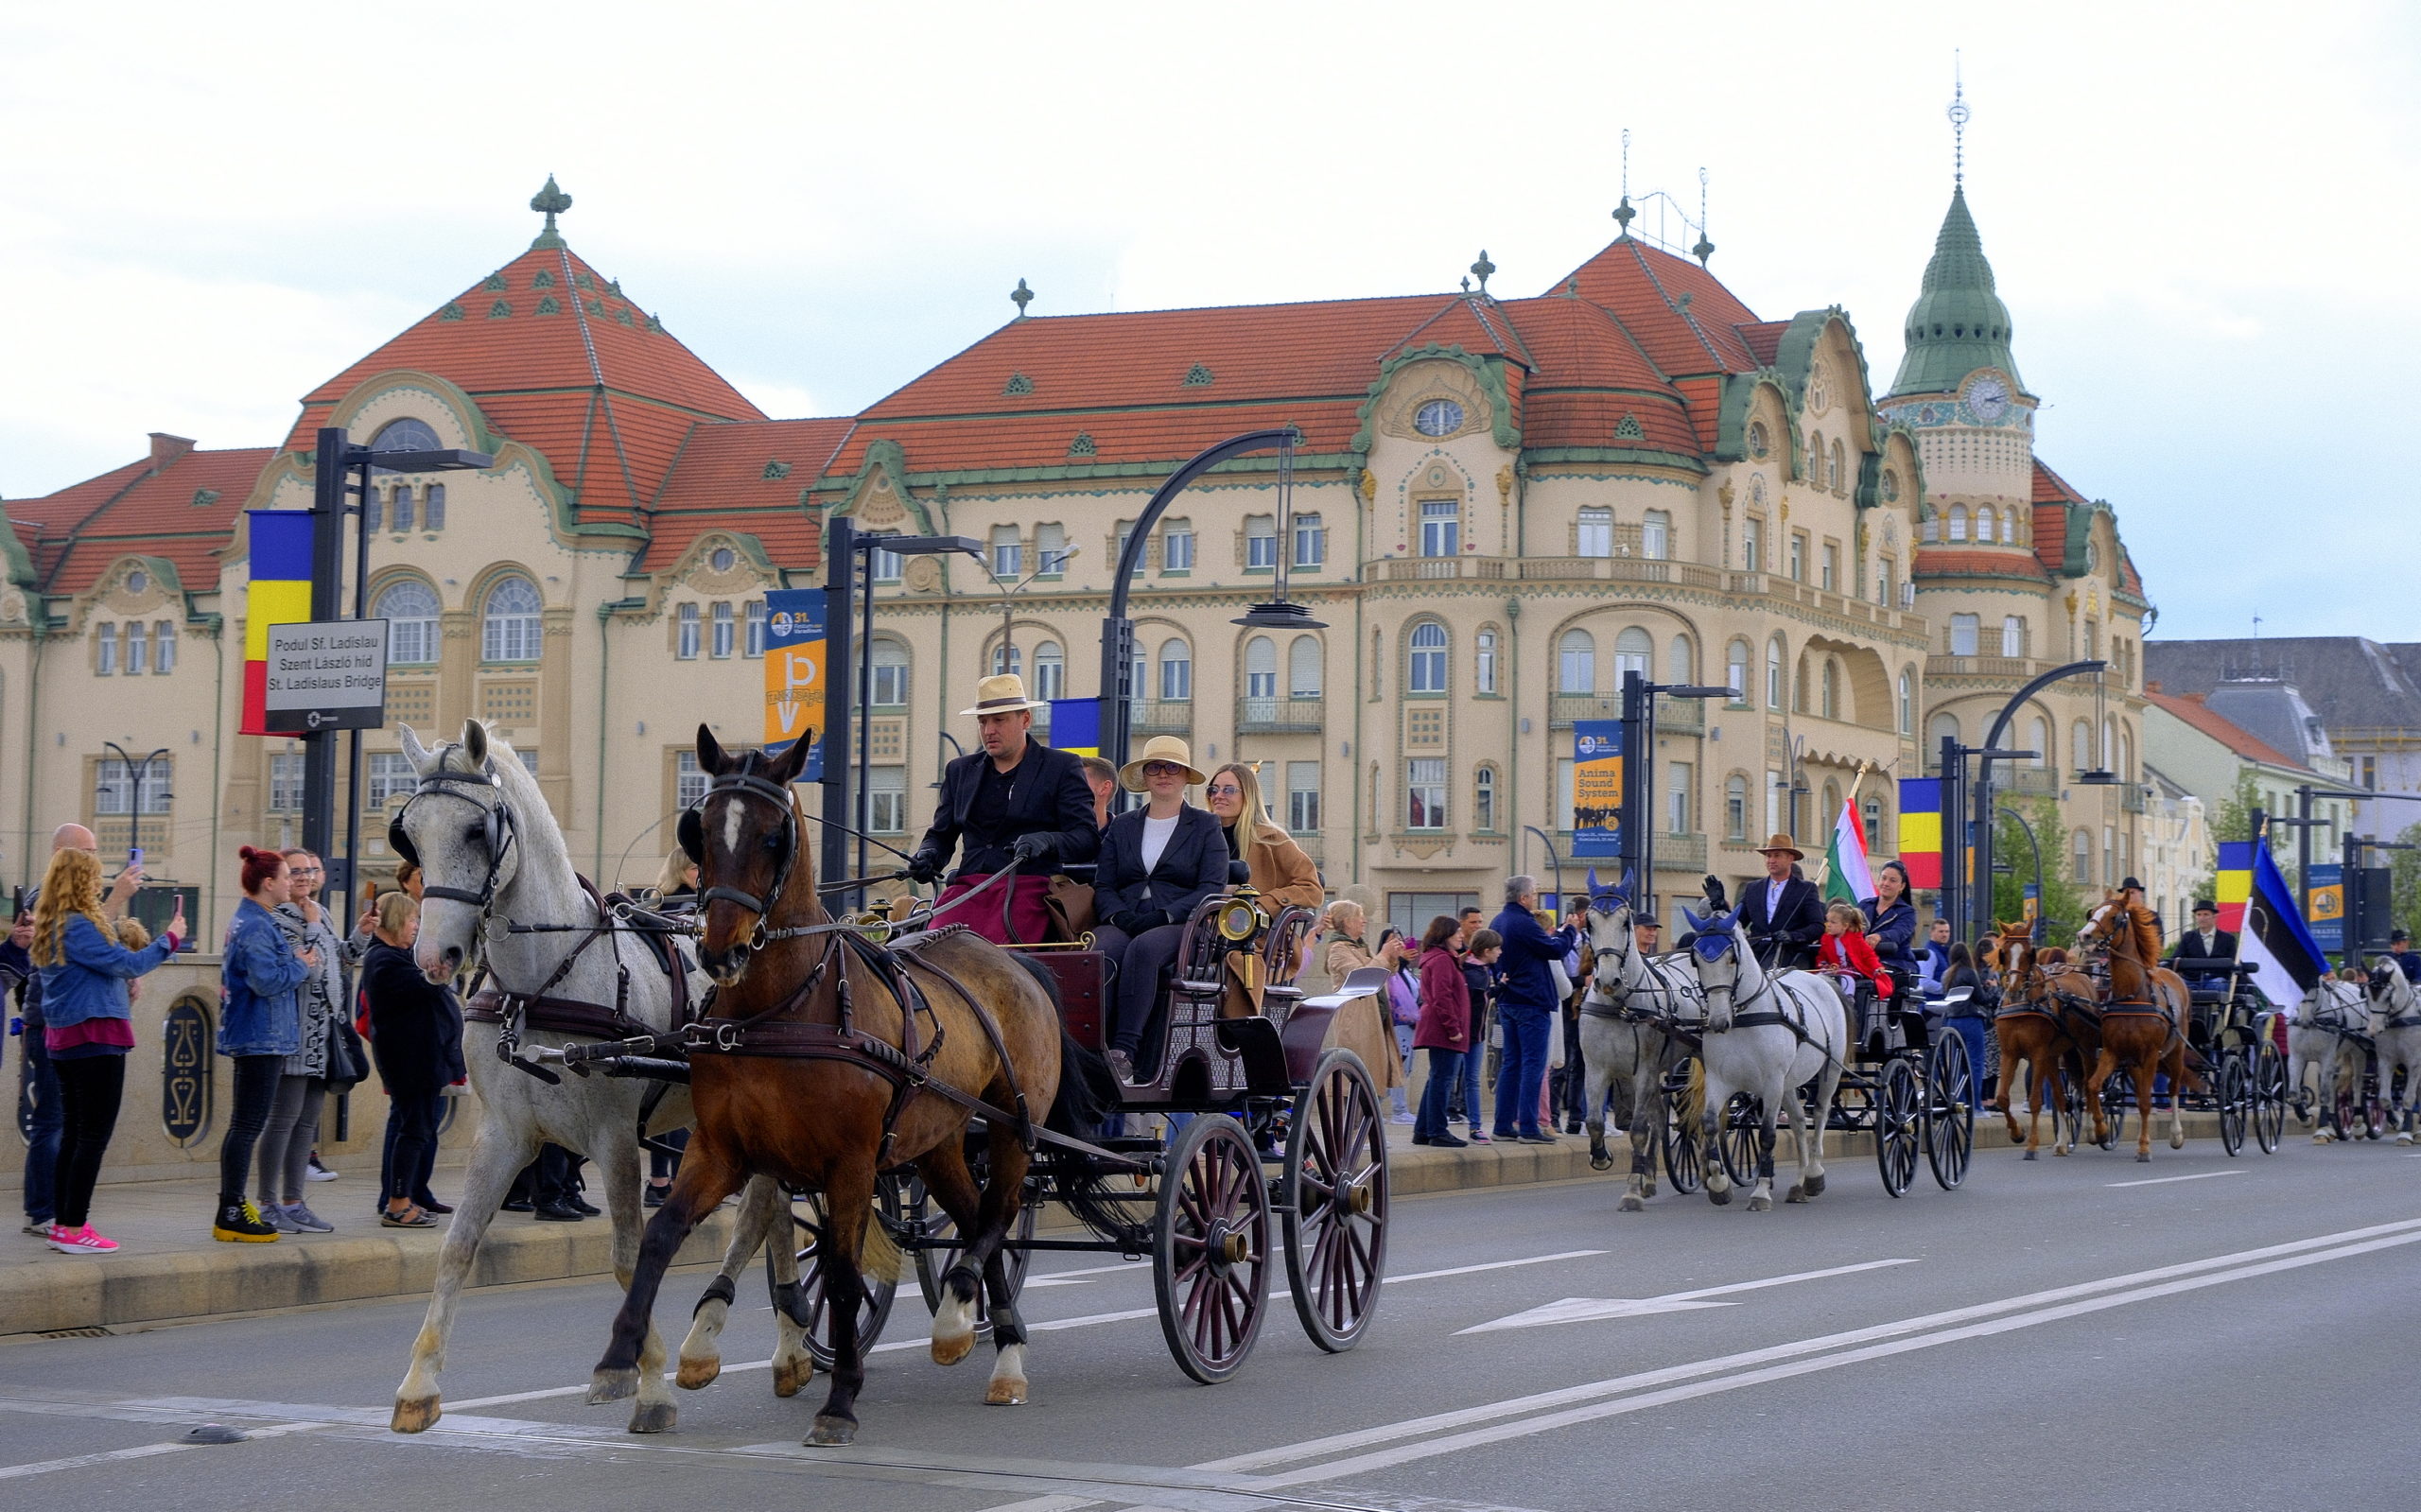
(2126, 754)
(2109, 752)
(1427, 672)
(1008, 658)
(1594, 537)
(2080, 746)
(410, 607)
(1959, 522)
(1303, 667)
(508, 628)
(405, 435)
(1634, 651)
(399, 510)
(1776, 688)
(1484, 798)
(685, 644)
(1815, 471)
(1656, 535)
(1832, 688)
(1176, 670)
(1929, 527)
(1838, 473)
(434, 506)
(727, 629)
(1937, 728)
(1050, 670)
(1260, 668)
(2013, 635)
(2080, 858)
(1683, 668)
(890, 660)
(1735, 807)
(1483, 662)
(1908, 701)
(2041, 744)
(1832, 805)
(1575, 663)
(1735, 669)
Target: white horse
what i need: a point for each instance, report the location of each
(1767, 1034)
(2322, 1039)
(2396, 1029)
(491, 857)
(1623, 1047)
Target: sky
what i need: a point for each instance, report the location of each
(2200, 218)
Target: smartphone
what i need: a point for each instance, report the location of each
(134, 856)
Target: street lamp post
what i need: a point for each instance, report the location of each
(2036, 846)
(135, 774)
(1639, 775)
(1954, 852)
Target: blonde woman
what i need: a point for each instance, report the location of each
(1360, 1025)
(679, 878)
(1282, 874)
(89, 1027)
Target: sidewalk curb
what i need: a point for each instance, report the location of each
(136, 1289)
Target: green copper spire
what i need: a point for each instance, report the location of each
(552, 202)
(1958, 323)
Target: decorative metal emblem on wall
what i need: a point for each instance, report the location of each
(184, 1071)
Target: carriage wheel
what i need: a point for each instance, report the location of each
(2269, 1097)
(2118, 1098)
(1333, 1209)
(1949, 1126)
(2236, 1102)
(1210, 1249)
(1684, 1159)
(1897, 1113)
(933, 1264)
(889, 1201)
(1744, 1120)
(2374, 1111)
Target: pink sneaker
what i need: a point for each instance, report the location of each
(80, 1241)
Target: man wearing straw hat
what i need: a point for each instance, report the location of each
(1017, 806)
(1781, 909)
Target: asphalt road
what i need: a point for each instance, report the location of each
(2196, 1334)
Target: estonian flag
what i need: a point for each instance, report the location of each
(2287, 962)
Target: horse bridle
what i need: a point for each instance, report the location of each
(501, 827)
(692, 833)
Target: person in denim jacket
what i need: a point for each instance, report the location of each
(260, 1023)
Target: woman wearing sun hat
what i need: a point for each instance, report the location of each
(1156, 865)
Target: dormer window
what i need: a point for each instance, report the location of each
(1438, 417)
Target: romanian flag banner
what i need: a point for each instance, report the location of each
(1075, 725)
(2287, 961)
(2234, 883)
(1921, 830)
(280, 594)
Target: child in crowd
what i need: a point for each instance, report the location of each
(1479, 973)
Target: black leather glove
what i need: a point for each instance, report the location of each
(1715, 897)
(1027, 847)
(924, 867)
(1135, 921)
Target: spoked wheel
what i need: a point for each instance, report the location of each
(2236, 1102)
(810, 1314)
(1743, 1118)
(2069, 1112)
(1897, 1113)
(1685, 1156)
(2269, 1096)
(1333, 1204)
(1210, 1249)
(2374, 1112)
(1949, 1125)
(2118, 1098)
(933, 1264)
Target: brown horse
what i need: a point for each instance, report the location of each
(2143, 1025)
(2027, 1026)
(825, 1061)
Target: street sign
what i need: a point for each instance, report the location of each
(330, 674)
(1597, 789)
(794, 672)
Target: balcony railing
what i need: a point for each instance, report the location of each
(2132, 797)
(1162, 716)
(2035, 782)
(1415, 569)
(1619, 569)
(1681, 853)
(2013, 669)
(1279, 716)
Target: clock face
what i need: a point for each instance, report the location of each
(1988, 399)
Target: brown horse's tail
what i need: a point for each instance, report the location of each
(880, 1257)
(1087, 1088)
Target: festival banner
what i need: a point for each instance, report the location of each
(2327, 913)
(1075, 725)
(279, 594)
(794, 672)
(1596, 789)
(1921, 830)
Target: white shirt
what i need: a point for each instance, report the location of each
(1773, 897)
(1157, 835)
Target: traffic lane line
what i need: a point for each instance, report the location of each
(2162, 1181)
(1670, 1301)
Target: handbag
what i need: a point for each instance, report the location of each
(1069, 903)
(345, 1047)
(1555, 1042)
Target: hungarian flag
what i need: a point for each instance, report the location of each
(2287, 962)
(1845, 873)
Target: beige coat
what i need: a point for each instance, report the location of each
(1281, 873)
(1360, 1025)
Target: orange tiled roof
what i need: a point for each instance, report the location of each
(183, 512)
(1956, 562)
(744, 475)
(594, 383)
(2191, 708)
(1765, 339)
(1682, 315)
(1588, 376)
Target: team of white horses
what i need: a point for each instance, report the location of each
(519, 909)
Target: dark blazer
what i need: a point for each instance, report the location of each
(1797, 923)
(2189, 946)
(416, 1025)
(1193, 868)
(1059, 808)
(1896, 927)
(1528, 982)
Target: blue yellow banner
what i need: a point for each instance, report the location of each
(794, 672)
(1075, 725)
(2327, 912)
(1597, 789)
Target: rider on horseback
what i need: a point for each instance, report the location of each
(1017, 804)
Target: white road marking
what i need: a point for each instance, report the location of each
(2162, 1181)
(77, 1462)
(1585, 1309)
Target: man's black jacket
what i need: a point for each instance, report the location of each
(1051, 799)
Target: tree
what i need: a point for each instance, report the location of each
(2405, 870)
(2232, 823)
(2063, 901)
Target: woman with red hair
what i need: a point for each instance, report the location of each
(259, 1025)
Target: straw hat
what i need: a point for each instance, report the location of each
(1781, 842)
(1004, 694)
(1161, 748)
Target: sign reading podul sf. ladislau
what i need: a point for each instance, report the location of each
(330, 675)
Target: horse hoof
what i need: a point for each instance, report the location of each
(1798, 1193)
(2322, 1138)
(1630, 1203)
(1815, 1185)
(2030, 1155)
(831, 1431)
(1647, 1189)
(695, 1374)
(612, 1385)
(2404, 1138)
(1009, 1393)
(792, 1376)
(654, 1418)
(416, 1417)
(2144, 1159)
(2177, 1142)
(951, 1350)
(1761, 1202)
(1722, 1199)
(1606, 1162)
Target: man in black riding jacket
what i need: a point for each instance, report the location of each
(1015, 804)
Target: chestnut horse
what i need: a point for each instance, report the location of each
(2028, 1026)
(825, 1060)
(2143, 1025)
